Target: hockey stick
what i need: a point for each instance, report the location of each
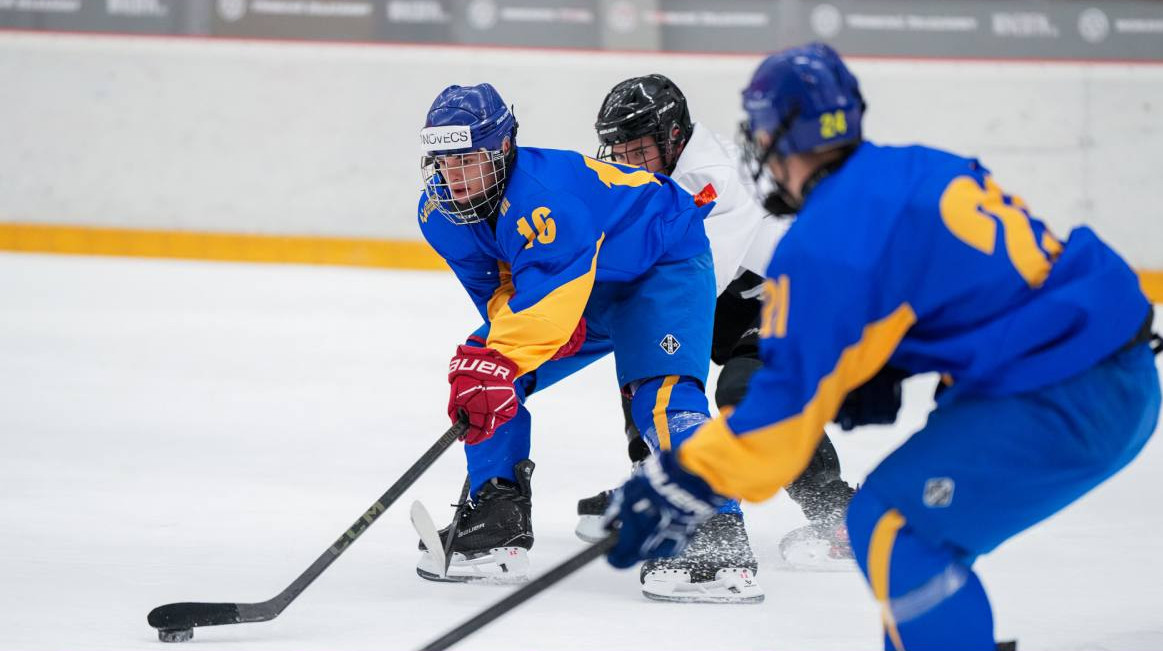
(441, 552)
(176, 622)
(525, 593)
(426, 529)
(455, 523)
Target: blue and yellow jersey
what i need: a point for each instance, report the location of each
(566, 221)
(917, 258)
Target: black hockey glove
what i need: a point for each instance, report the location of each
(736, 330)
(876, 402)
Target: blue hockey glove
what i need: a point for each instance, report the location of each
(656, 510)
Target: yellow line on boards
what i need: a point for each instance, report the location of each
(233, 247)
(237, 247)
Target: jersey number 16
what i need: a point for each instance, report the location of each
(543, 230)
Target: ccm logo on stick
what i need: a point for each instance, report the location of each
(480, 366)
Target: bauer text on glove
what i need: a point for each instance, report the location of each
(481, 385)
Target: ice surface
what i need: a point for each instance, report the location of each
(179, 431)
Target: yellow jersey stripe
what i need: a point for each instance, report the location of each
(1152, 284)
(503, 292)
(755, 465)
(661, 404)
(879, 559)
(533, 335)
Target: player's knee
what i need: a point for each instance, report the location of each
(668, 409)
(733, 380)
(909, 574)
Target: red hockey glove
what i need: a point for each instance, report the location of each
(570, 348)
(481, 385)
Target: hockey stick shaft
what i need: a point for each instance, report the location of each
(460, 506)
(187, 615)
(525, 593)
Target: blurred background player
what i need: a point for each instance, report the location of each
(914, 257)
(567, 259)
(645, 121)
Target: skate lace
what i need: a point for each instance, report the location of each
(463, 508)
(493, 491)
(507, 495)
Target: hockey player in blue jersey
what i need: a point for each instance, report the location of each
(567, 258)
(918, 259)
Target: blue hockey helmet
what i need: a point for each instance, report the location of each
(799, 100)
(465, 162)
(805, 99)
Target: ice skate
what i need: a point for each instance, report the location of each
(591, 524)
(822, 547)
(493, 536)
(591, 520)
(716, 567)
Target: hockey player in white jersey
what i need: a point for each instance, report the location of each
(644, 121)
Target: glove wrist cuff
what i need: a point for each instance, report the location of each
(696, 486)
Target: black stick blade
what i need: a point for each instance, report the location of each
(189, 614)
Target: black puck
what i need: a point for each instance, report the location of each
(175, 634)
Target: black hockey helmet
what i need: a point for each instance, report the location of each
(651, 105)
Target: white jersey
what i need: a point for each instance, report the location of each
(742, 236)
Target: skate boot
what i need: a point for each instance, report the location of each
(823, 544)
(493, 536)
(591, 526)
(716, 567)
(821, 547)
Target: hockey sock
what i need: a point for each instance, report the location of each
(930, 597)
(667, 410)
(496, 456)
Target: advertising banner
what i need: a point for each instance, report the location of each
(978, 29)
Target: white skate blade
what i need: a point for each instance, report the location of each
(803, 550)
(426, 529)
(591, 528)
(500, 565)
(731, 586)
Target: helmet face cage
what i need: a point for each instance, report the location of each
(469, 143)
(466, 187)
(754, 155)
(751, 159)
(654, 150)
